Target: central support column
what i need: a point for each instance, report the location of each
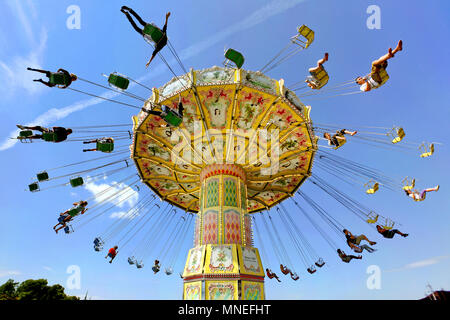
(223, 265)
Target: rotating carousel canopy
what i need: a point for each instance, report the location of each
(231, 116)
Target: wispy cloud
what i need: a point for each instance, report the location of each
(257, 17)
(107, 193)
(420, 264)
(7, 273)
(13, 74)
(47, 268)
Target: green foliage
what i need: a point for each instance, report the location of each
(33, 290)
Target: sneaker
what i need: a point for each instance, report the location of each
(20, 127)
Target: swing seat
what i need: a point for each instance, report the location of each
(409, 185)
(34, 187)
(311, 270)
(320, 263)
(319, 78)
(295, 277)
(384, 76)
(76, 182)
(106, 147)
(171, 117)
(59, 79)
(341, 141)
(234, 56)
(42, 176)
(131, 260)
(306, 33)
(398, 135)
(425, 151)
(372, 219)
(388, 225)
(98, 248)
(118, 82)
(152, 33)
(168, 271)
(49, 136)
(139, 265)
(68, 229)
(372, 189)
(25, 134)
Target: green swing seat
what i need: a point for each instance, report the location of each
(42, 176)
(25, 133)
(117, 81)
(76, 182)
(235, 57)
(59, 78)
(33, 187)
(172, 118)
(49, 136)
(105, 146)
(152, 33)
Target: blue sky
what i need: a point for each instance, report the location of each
(35, 34)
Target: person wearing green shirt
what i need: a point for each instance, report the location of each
(61, 78)
(150, 32)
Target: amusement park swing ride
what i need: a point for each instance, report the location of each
(241, 144)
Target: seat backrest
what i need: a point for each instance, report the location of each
(307, 33)
(400, 134)
(153, 32)
(341, 141)
(235, 56)
(118, 81)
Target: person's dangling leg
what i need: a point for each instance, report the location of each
(39, 70)
(44, 82)
(137, 17)
(133, 24)
(400, 233)
(323, 60)
(86, 150)
(388, 55)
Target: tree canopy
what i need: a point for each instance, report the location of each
(33, 290)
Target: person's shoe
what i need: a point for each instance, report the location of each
(20, 127)
(400, 45)
(372, 243)
(326, 56)
(405, 235)
(124, 8)
(437, 188)
(84, 150)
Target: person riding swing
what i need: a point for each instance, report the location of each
(338, 139)
(56, 134)
(316, 80)
(150, 32)
(378, 74)
(284, 270)
(271, 274)
(61, 78)
(66, 216)
(389, 234)
(170, 116)
(105, 144)
(156, 267)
